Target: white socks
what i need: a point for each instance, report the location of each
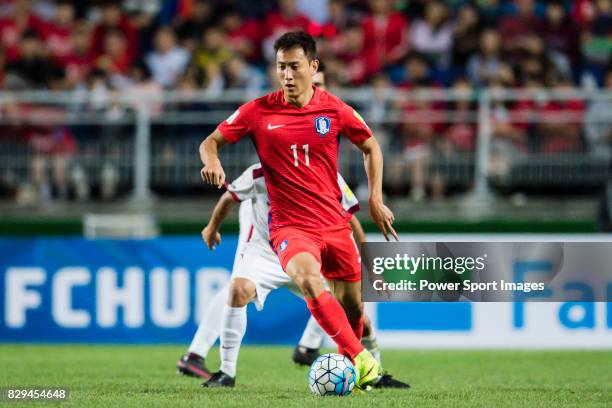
(313, 335)
(234, 325)
(209, 328)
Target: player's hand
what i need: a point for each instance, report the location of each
(384, 218)
(213, 173)
(211, 237)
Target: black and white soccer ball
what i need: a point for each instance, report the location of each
(332, 374)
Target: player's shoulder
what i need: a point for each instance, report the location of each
(251, 105)
(271, 99)
(333, 101)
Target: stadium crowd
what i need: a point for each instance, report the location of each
(146, 46)
(227, 44)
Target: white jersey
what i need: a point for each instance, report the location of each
(252, 186)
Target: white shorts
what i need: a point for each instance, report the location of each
(258, 263)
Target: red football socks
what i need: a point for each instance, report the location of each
(332, 319)
(357, 326)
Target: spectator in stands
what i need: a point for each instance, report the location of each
(32, 69)
(583, 13)
(243, 36)
(560, 122)
(142, 14)
(57, 35)
(112, 20)
(348, 48)
(543, 64)
(432, 36)
(559, 33)
(167, 61)
(143, 88)
(513, 29)
(602, 25)
(286, 18)
(241, 76)
(596, 47)
(419, 129)
(93, 94)
(385, 35)
(598, 123)
(460, 135)
(466, 35)
(12, 29)
(486, 65)
(191, 30)
(79, 61)
(213, 53)
(51, 144)
(415, 72)
(340, 17)
(115, 58)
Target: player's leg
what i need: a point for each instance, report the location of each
(300, 255)
(368, 339)
(370, 342)
(257, 273)
(349, 296)
(305, 269)
(307, 349)
(192, 363)
(233, 328)
(342, 269)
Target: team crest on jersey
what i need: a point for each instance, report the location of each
(283, 245)
(322, 125)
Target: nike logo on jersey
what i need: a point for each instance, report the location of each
(270, 127)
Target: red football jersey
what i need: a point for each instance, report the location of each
(298, 150)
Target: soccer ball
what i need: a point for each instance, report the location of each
(332, 374)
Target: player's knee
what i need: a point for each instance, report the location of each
(310, 284)
(241, 292)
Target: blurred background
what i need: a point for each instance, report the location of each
(494, 116)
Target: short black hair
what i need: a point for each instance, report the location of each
(297, 39)
(321, 67)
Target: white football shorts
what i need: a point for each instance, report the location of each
(258, 263)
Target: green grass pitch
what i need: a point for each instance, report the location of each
(145, 376)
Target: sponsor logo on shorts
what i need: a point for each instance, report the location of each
(283, 245)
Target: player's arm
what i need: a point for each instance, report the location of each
(212, 172)
(380, 213)
(210, 233)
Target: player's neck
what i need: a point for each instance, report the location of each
(301, 100)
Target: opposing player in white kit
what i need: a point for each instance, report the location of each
(256, 272)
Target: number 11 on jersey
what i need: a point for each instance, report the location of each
(295, 155)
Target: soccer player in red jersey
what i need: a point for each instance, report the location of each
(295, 131)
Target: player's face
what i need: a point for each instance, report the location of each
(294, 71)
(318, 80)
